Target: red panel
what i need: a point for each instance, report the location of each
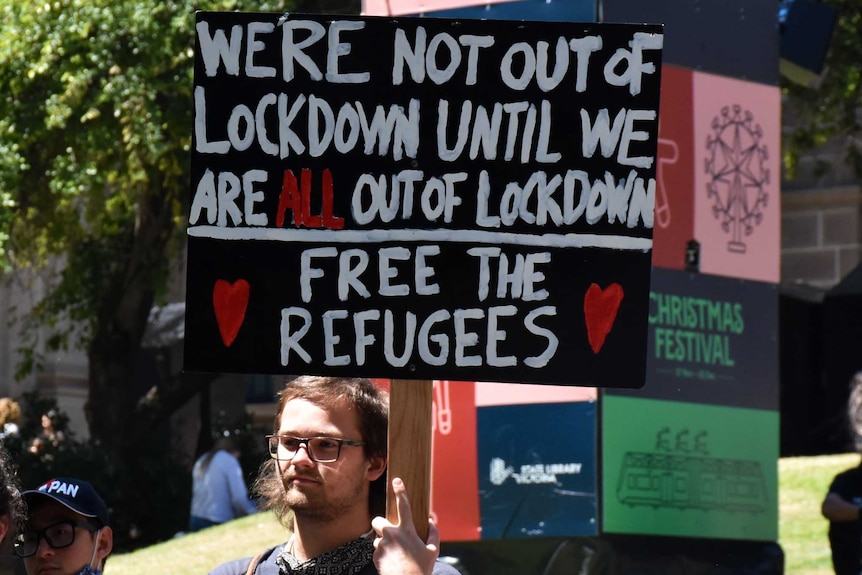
(455, 474)
(674, 202)
(382, 383)
(454, 468)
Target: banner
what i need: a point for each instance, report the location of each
(712, 339)
(422, 199)
(737, 206)
(538, 480)
(690, 470)
(694, 452)
(493, 477)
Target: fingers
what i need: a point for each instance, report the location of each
(403, 520)
(433, 542)
(402, 502)
(379, 523)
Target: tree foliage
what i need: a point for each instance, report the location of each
(95, 120)
(95, 132)
(95, 129)
(832, 110)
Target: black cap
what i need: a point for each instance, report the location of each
(76, 494)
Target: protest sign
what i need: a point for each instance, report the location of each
(422, 198)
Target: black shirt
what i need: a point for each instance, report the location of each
(845, 537)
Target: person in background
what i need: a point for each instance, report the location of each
(326, 481)
(841, 507)
(219, 492)
(844, 499)
(10, 418)
(11, 502)
(67, 531)
(49, 434)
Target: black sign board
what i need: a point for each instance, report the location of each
(422, 198)
(712, 340)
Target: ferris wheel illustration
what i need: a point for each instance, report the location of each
(737, 174)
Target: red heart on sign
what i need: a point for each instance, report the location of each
(600, 310)
(230, 301)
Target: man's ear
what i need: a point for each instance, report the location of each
(5, 522)
(376, 467)
(106, 543)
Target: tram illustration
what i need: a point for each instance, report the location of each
(691, 482)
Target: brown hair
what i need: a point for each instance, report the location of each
(10, 411)
(371, 404)
(11, 502)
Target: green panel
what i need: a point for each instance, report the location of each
(687, 469)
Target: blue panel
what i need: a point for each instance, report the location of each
(737, 38)
(537, 470)
(533, 10)
(806, 34)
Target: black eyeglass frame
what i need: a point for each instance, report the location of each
(273, 446)
(43, 534)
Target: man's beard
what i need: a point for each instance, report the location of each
(317, 505)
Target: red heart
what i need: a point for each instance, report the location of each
(600, 311)
(230, 301)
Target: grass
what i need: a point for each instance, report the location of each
(803, 482)
(198, 553)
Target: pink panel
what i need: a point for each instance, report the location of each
(520, 393)
(399, 7)
(737, 145)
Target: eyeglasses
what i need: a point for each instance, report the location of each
(57, 536)
(320, 449)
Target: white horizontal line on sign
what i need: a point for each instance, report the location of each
(419, 235)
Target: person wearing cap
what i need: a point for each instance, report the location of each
(67, 530)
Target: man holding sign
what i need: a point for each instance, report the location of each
(326, 481)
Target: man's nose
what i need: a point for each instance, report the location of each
(42, 548)
(302, 455)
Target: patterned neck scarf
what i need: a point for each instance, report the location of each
(349, 559)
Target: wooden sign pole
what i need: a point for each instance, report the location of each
(410, 448)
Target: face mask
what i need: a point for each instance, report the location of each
(89, 569)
